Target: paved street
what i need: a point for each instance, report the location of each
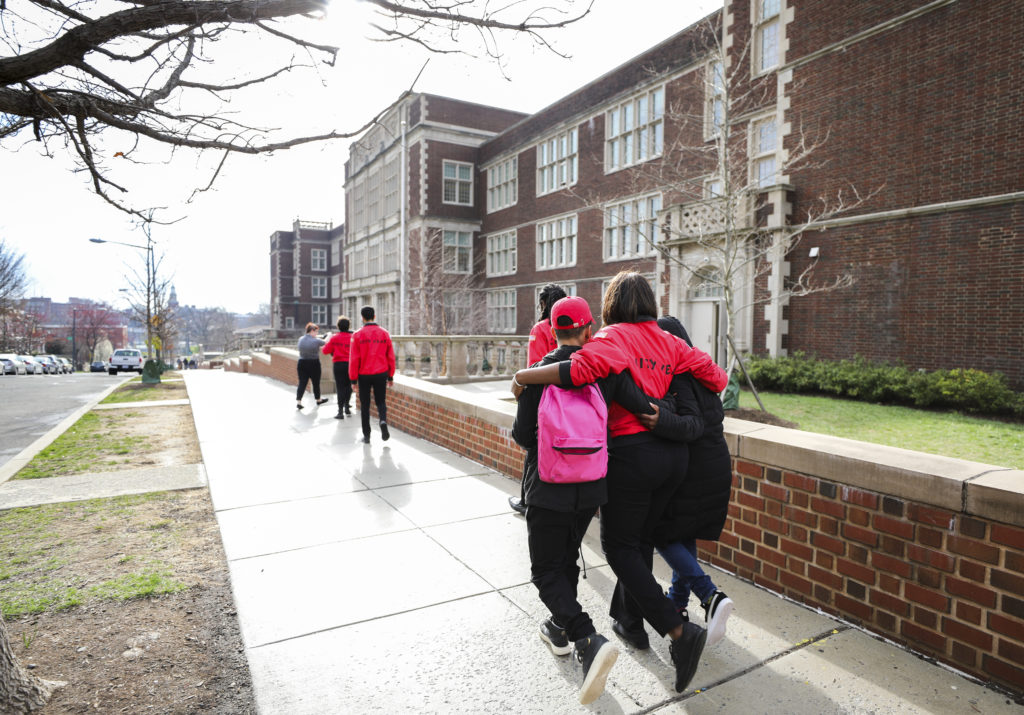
(31, 405)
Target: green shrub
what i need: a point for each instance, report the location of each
(969, 390)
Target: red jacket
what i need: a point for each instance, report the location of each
(541, 342)
(337, 347)
(651, 355)
(371, 352)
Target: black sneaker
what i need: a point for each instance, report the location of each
(686, 653)
(717, 610)
(366, 439)
(384, 434)
(554, 635)
(636, 637)
(517, 505)
(597, 656)
(348, 410)
(340, 416)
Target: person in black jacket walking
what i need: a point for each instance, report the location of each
(557, 515)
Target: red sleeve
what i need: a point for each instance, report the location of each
(353, 358)
(328, 348)
(538, 346)
(703, 368)
(391, 358)
(597, 359)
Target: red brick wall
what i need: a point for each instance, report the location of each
(948, 585)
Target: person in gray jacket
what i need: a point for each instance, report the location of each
(309, 364)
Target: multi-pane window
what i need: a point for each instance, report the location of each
(635, 130)
(373, 259)
(391, 187)
(630, 228)
(319, 287)
(389, 261)
(458, 183)
(713, 188)
(318, 259)
(457, 251)
(763, 147)
(766, 50)
(707, 283)
(358, 212)
(556, 243)
(715, 116)
(557, 162)
(501, 254)
(320, 314)
(502, 184)
(289, 323)
(373, 196)
(458, 312)
(501, 311)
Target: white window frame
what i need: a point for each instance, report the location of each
(634, 130)
(289, 323)
(457, 181)
(501, 311)
(391, 187)
(389, 255)
(503, 184)
(556, 241)
(319, 314)
(631, 228)
(764, 158)
(456, 245)
(501, 253)
(715, 91)
(558, 162)
(318, 259)
(318, 287)
(458, 308)
(767, 35)
(373, 196)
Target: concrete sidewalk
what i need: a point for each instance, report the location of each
(392, 577)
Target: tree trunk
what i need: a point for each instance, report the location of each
(20, 691)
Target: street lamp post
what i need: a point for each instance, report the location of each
(150, 276)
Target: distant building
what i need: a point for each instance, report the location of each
(305, 275)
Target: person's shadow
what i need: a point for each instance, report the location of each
(380, 474)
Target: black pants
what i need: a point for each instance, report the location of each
(342, 385)
(309, 371)
(379, 384)
(643, 472)
(554, 538)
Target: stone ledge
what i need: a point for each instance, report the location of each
(999, 496)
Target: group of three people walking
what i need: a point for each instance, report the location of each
(365, 359)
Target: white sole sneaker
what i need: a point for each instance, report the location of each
(593, 684)
(555, 648)
(716, 626)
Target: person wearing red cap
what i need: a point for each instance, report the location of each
(643, 470)
(371, 366)
(541, 342)
(559, 513)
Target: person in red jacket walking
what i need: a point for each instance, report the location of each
(371, 366)
(338, 348)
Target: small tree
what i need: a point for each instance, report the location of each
(94, 323)
(13, 281)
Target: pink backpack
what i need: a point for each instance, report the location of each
(572, 435)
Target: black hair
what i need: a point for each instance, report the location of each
(628, 298)
(570, 333)
(549, 295)
(344, 324)
(670, 324)
(367, 312)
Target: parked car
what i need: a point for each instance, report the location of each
(31, 366)
(49, 363)
(66, 365)
(7, 367)
(19, 366)
(97, 366)
(125, 359)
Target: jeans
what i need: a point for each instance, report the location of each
(309, 371)
(687, 575)
(379, 384)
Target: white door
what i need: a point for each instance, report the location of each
(703, 326)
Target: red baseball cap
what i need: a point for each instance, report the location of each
(571, 312)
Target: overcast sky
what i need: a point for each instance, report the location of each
(218, 253)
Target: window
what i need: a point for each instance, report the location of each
(319, 314)
(635, 130)
(556, 243)
(630, 228)
(501, 254)
(373, 196)
(713, 188)
(502, 181)
(766, 35)
(458, 183)
(715, 116)
(318, 259)
(319, 287)
(358, 212)
(557, 162)
(457, 312)
(389, 261)
(501, 311)
(289, 323)
(707, 283)
(763, 145)
(373, 259)
(391, 187)
(457, 251)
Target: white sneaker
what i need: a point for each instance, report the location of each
(716, 613)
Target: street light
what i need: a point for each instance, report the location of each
(150, 277)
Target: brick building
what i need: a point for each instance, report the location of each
(305, 275)
(775, 145)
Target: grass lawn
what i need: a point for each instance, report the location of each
(88, 446)
(136, 391)
(947, 433)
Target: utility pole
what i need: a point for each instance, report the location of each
(150, 279)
